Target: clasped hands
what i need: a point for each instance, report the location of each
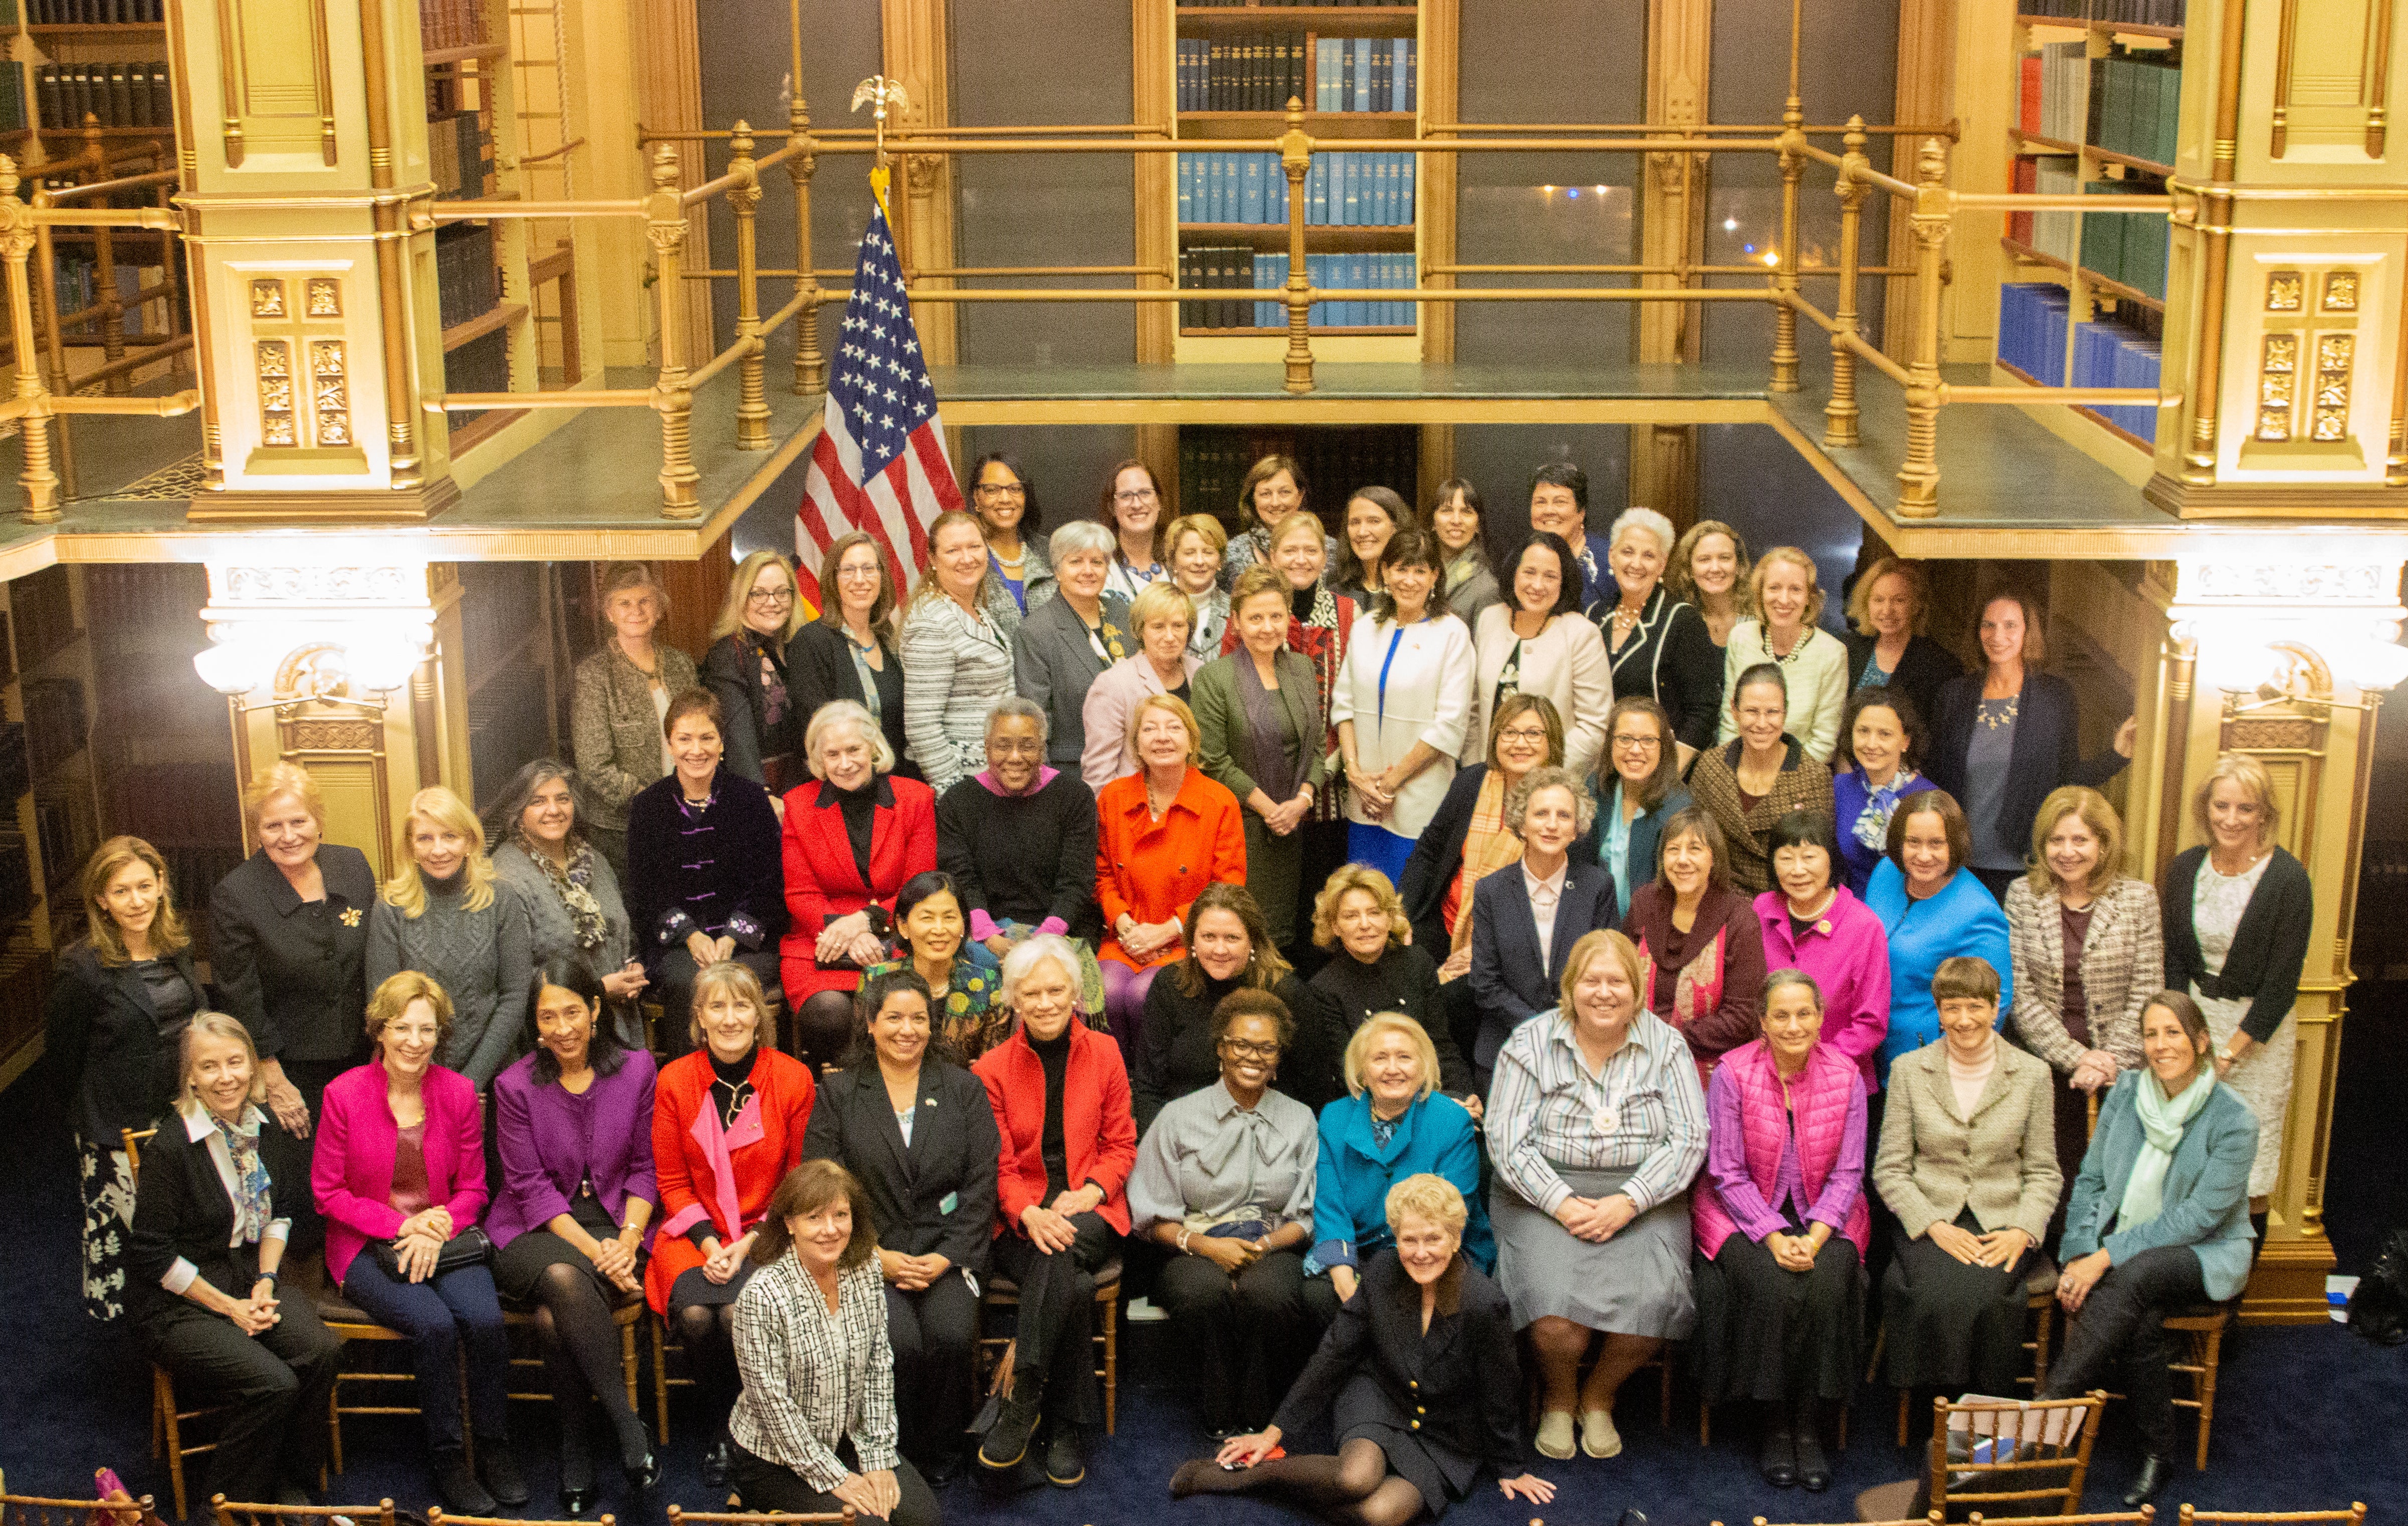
(1795, 1252)
(720, 1261)
(2000, 1248)
(707, 949)
(1143, 940)
(913, 1274)
(2094, 1069)
(870, 1493)
(615, 1259)
(1376, 793)
(1283, 818)
(1595, 1220)
(1050, 1230)
(850, 937)
(256, 1315)
(420, 1241)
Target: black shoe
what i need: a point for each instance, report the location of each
(576, 1501)
(577, 1493)
(943, 1468)
(644, 1474)
(498, 1466)
(1779, 1458)
(455, 1483)
(2148, 1482)
(715, 1463)
(1814, 1469)
(1008, 1443)
(1066, 1459)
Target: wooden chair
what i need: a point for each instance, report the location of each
(2202, 1328)
(1930, 1519)
(1001, 1292)
(2192, 1515)
(627, 1311)
(380, 1514)
(2040, 1301)
(2050, 1461)
(168, 1415)
(437, 1516)
(2145, 1516)
(349, 1324)
(40, 1510)
(679, 1517)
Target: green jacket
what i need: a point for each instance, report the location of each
(1220, 718)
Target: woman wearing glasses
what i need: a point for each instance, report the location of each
(1005, 502)
(1132, 511)
(849, 652)
(746, 666)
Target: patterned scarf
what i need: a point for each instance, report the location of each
(253, 1206)
(1320, 637)
(773, 676)
(1873, 822)
(575, 884)
(1488, 847)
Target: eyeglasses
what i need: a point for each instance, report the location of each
(1523, 733)
(1001, 490)
(1143, 495)
(1239, 1048)
(871, 572)
(772, 595)
(1640, 744)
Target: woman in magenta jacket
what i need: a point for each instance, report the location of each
(1813, 922)
(1781, 1227)
(399, 1172)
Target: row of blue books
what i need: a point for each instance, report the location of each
(1346, 273)
(2033, 334)
(1364, 74)
(1362, 190)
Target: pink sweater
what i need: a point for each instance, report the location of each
(1847, 953)
(351, 1171)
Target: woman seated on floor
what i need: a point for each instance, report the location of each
(1782, 1229)
(1418, 1377)
(1225, 1182)
(814, 1428)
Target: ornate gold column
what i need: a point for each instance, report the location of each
(915, 37)
(1671, 218)
(304, 154)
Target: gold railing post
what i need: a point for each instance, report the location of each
(665, 227)
(113, 310)
(1296, 159)
(15, 242)
(1918, 477)
(1785, 274)
(1839, 414)
(810, 366)
(752, 394)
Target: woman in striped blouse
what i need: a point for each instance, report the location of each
(956, 658)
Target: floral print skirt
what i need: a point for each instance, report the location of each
(106, 1185)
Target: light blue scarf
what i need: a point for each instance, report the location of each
(2162, 1119)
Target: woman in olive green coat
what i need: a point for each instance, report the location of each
(1260, 733)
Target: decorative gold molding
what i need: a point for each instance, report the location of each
(277, 83)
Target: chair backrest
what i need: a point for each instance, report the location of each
(437, 1516)
(2145, 1516)
(2354, 1516)
(1930, 1519)
(232, 1514)
(38, 1510)
(2016, 1452)
(134, 1140)
(681, 1517)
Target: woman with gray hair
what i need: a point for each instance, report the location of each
(623, 694)
(1526, 918)
(1065, 644)
(1655, 644)
(1019, 839)
(853, 838)
(570, 893)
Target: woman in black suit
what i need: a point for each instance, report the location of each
(1419, 1376)
(220, 1185)
(1229, 949)
(119, 1001)
(849, 652)
(2002, 738)
(289, 944)
(916, 1131)
(1375, 968)
(746, 667)
(1888, 610)
(1517, 972)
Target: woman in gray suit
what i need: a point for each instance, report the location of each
(623, 691)
(1258, 718)
(1065, 643)
(1968, 1162)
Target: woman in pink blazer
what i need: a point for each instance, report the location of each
(399, 1172)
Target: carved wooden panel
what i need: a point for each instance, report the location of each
(2332, 66)
(276, 79)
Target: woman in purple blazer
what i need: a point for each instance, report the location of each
(399, 1173)
(575, 1213)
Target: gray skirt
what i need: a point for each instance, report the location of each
(1635, 1284)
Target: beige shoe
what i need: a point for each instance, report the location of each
(1598, 1439)
(1555, 1434)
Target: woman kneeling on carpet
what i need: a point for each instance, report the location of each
(1418, 1376)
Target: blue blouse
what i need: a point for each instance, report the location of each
(1961, 919)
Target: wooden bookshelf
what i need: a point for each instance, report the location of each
(1273, 237)
(1208, 125)
(1328, 20)
(501, 315)
(2111, 29)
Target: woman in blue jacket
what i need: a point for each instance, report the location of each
(2159, 1222)
(1393, 1123)
(1933, 909)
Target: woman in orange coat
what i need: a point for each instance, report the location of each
(852, 837)
(1163, 834)
(728, 1126)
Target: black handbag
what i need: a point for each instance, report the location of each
(471, 1247)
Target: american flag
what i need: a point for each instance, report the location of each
(879, 462)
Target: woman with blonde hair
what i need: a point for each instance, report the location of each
(1375, 968)
(621, 691)
(1195, 545)
(957, 656)
(1392, 1122)
(1887, 649)
(288, 944)
(448, 915)
(746, 665)
(1160, 619)
(2238, 912)
(120, 997)
(1708, 572)
(2089, 950)
(1787, 602)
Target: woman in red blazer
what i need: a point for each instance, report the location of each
(728, 1126)
(1057, 1227)
(852, 837)
(1163, 834)
(398, 1170)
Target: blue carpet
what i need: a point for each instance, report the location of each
(2303, 1415)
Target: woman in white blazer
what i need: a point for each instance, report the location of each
(1537, 643)
(1401, 703)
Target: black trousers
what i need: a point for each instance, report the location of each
(276, 1383)
(935, 1336)
(1054, 1360)
(1246, 1336)
(764, 1486)
(2124, 1317)
(672, 972)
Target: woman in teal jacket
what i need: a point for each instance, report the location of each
(2159, 1223)
(1393, 1123)
(1933, 909)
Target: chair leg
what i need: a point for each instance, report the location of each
(2211, 1352)
(334, 1424)
(1843, 1425)
(1902, 1408)
(660, 1383)
(1111, 1367)
(1664, 1398)
(163, 1400)
(2039, 1348)
(1881, 1336)
(1705, 1421)
(627, 1364)
(158, 1381)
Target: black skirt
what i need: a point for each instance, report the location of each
(1766, 1333)
(1439, 1471)
(520, 1265)
(1950, 1325)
